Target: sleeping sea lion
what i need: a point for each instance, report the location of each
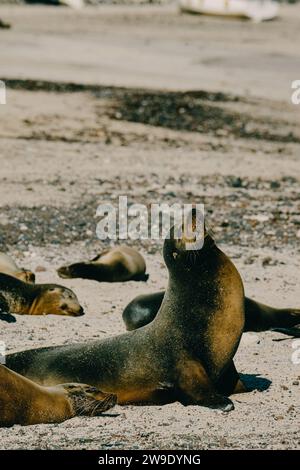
(258, 317)
(118, 264)
(36, 299)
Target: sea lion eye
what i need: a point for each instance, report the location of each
(64, 307)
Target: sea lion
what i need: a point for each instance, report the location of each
(25, 402)
(36, 299)
(258, 317)
(185, 354)
(118, 264)
(8, 266)
(4, 25)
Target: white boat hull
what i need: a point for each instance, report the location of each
(257, 10)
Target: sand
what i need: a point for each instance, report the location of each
(64, 152)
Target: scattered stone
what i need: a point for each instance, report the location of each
(40, 269)
(268, 261)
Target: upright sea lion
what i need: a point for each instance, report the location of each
(118, 264)
(258, 317)
(24, 402)
(185, 354)
(8, 266)
(36, 299)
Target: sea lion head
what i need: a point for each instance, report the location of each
(87, 400)
(26, 276)
(187, 243)
(71, 271)
(56, 300)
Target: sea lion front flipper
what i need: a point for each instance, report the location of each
(196, 387)
(7, 317)
(217, 402)
(212, 400)
(4, 311)
(293, 331)
(97, 257)
(230, 383)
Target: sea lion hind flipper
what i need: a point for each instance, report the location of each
(89, 401)
(7, 317)
(212, 400)
(197, 388)
(230, 383)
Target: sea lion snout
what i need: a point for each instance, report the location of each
(71, 271)
(79, 313)
(193, 230)
(184, 238)
(64, 272)
(70, 308)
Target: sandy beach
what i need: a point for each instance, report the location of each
(159, 106)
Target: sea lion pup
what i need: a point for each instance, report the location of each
(118, 264)
(185, 354)
(258, 317)
(24, 402)
(37, 299)
(8, 266)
